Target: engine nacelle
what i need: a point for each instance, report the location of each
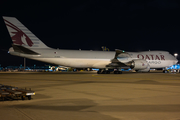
(139, 65)
(144, 70)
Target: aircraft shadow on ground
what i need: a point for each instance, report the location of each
(105, 108)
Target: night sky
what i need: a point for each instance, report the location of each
(130, 25)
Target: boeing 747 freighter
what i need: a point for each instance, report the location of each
(27, 45)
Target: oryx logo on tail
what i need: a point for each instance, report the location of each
(18, 36)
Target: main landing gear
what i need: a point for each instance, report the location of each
(108, 72)
(103, 71)
(117, 72)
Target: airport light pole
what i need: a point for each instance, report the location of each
(175, 55)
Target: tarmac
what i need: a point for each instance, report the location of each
(91, 96)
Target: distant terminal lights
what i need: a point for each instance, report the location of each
(104, 48)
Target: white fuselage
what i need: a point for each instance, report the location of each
(96, 59)
(26, 44)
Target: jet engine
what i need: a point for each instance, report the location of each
(144, 70)
(140, 65)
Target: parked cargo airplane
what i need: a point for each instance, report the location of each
(26, 44)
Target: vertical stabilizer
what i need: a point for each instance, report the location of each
(20, 35)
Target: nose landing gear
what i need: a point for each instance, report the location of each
(165, 71)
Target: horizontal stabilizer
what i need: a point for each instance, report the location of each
(21, 49)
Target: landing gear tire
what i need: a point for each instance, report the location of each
(117, 72)
(103, 72)
(165, 71)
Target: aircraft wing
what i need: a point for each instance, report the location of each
(115, 62)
